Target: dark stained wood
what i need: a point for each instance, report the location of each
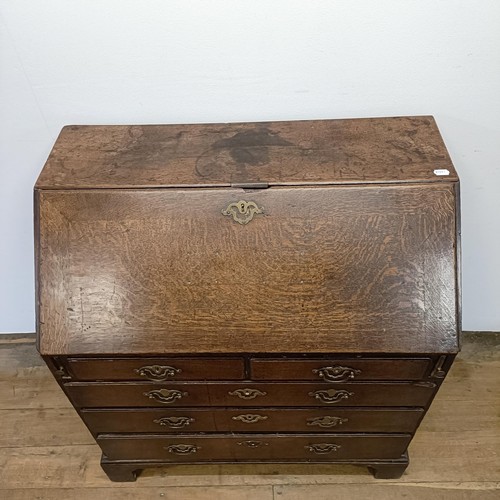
(336, 269)
(339, 370)
(157, 369)
(254, 447)
(385, 470)
(454, 453)
(118, 394)
(203, 279)
(400, 149)
(246, 420)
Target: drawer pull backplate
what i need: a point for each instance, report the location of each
(157, 372)
(322, 448)
(165, 395)
(331, 396)
(326, 421)
(174, 422)
(337, 373)
(182, 449)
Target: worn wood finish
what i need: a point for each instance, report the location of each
(157, 369)
(282, 267)
(339, 269)
(244, 420)
(454, 453)
(180, 493)
(340, 369)
(137, 394)
(329, 447)
(279, 153)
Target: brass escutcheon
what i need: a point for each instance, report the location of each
(247, 393)
(253, 444)
(250, 418)
(242, 211)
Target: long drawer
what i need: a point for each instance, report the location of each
(136, 394)
(302, 447)
(245, 420)
(339, 370)
(157, 369)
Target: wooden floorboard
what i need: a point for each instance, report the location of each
(47, 453)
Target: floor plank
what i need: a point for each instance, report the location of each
(22, 428)
(131, 493)
(47, 453)
(448, 491)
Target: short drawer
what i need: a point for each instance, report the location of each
(245, 420)
(339, 370)
(137, 394)
(253, 447)
(157, 369)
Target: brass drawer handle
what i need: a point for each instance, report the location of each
(253, 444)
(322, 448)
(250, 418)
(157, 372)
(242, 211)
(337, 373)
(183, 449)
(247, 393)
(331, 396)
(174, 422)
(165, 395)
(326, 421)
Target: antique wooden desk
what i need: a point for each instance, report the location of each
(254, 292)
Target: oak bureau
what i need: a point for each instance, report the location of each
(249, 292)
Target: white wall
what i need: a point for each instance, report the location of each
(129, 61)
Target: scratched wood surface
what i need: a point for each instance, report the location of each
(323, 269)
(397, 149)
(46, 452)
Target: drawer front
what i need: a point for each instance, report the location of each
(113, 394)
(157, 420)
(253, 447)
(339, 370)
(136, 394)
(252, 420)
(318, 420)
(157, 369)
(319, 394)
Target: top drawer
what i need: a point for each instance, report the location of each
(158, 369)
(339, 370)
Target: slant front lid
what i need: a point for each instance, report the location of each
(377, 150)
(313, 269)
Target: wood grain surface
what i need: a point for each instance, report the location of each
(399, 149)
(254, 447)
(323, 269)
(123, 394)
(47, 453)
